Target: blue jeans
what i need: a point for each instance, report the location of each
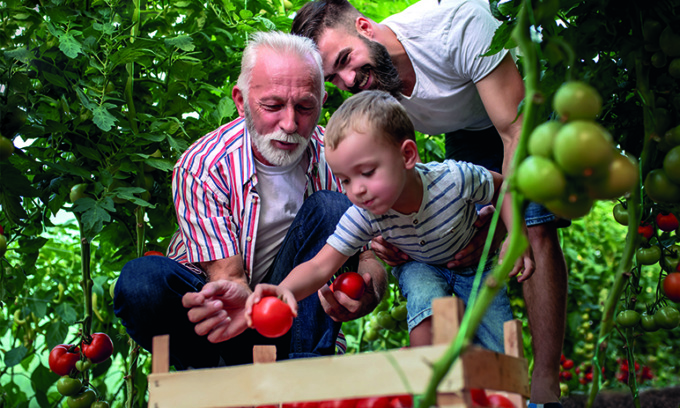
(422, 283)
(149, 290)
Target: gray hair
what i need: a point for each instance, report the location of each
(284, 44)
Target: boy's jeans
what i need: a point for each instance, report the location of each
(148, 298)
(421, 283)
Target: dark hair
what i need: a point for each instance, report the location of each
(314, 17)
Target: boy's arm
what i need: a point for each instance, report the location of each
(306, 278)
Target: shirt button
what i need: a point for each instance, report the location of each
(415, 222)
(422, 243)
(248, 239)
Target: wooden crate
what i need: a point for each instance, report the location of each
(393, 372)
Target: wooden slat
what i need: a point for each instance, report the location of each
(512, 332)
(495, 371)
(264, 354)
(160, 354)
(447, 313)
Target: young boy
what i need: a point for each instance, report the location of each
(426, 210)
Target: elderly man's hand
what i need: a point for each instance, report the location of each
(471, 254)
(342, 308)
(218, 309)
(390, 254)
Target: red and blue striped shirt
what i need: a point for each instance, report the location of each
(215, 200)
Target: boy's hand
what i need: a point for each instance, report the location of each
(342, 308)
(524, 264)
(266, 289)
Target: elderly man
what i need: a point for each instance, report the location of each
(429, 57)
(250, 207)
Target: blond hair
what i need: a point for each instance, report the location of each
(367, 112)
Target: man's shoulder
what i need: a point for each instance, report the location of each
(225, 140)
(435, 10)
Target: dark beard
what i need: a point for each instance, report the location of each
(385, 75)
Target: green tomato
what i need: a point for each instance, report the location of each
(371, 334)
(667, 317)
(68, 386)
(628, 318)
(620, 214)
(541, 139)
(577, 100)
(540, 179)
(671, 164)
(671, 259)
(583, 148)
(83, 365)
(3, 245)
(399, 312)
(386, 321)
(660, 188)
(78, 192)
(648, 256)
(82, 400)
(648, 323)
(100, 404)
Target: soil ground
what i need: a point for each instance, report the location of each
(650, 398)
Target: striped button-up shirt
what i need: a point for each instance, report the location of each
(215, 200)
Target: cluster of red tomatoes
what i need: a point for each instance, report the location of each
(69, 360)
(566, 365)
(642, 373)
(573, 161)
(390, 401)
(480, 399)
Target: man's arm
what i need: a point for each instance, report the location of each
(501, 92)
(341, 307)
(218, 309)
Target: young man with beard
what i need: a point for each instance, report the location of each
(429, 57)
(250, 208)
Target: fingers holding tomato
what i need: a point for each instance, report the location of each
(272, 317)
(350, 283)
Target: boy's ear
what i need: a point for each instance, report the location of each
(409, 151)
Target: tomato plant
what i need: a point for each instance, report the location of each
(667, 317)
(648, 255)
(84, 399)
(628, 318)
(99, 349)
(671, 286)
(272, 317)
(646, 230)
(350, 283)
(63, 359)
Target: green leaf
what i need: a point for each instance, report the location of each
(89, 152)
(160, 164)
(67, 314)
(183, 42)
(21, 54)
(42, 377)
(69, 45)
(103, 119)
(15, 182)
(57, 331)
(14, 356)
(68, 168)
(93, 220)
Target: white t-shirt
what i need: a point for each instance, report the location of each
(281, 191)
(444, 42)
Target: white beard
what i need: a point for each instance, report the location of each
(263, 143)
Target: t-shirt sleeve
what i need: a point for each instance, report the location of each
(471, 34)
(476, 182)
(205, 222)
(353, 232)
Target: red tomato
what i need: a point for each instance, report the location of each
(479, 398)
(272, 317)
(646, 230)
(589, 377)
(99, 349)
(304, 404)
(566, 375)
(568, 364)
(500, 401)
(671, 286)
(350, 283)
(157, 253)
(339, 403)
(373, 402)
(402, 401)
(666, 222)
(63, 358)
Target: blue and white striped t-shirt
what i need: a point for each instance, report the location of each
(442, 226)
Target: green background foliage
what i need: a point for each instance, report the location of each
(110, 93)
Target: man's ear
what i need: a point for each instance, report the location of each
(364, 27)
(409, 151)
(237, 96)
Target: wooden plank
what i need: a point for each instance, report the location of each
(447, 313)
(264, 354)
(404, 371)
(495, 371)
(160, 355)
(512, 332)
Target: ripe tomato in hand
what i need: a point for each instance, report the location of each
(671, 286)
(272, 317)
(500, 401)
(350, 283)
(63, 358)
(666, 222)
(479, 398)
(99, 349)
